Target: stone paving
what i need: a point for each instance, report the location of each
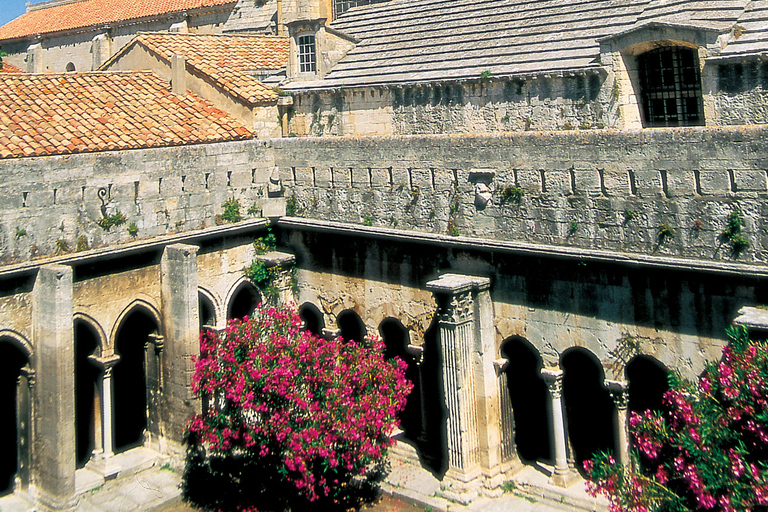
(158, 489)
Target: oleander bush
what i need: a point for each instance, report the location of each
(707, 450)
(289, 414)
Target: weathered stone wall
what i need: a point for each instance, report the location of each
(591, 189)
(742, 96)
(614, 311)
(535, 103)
(52, 204)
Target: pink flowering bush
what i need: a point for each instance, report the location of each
(708, 450)
(289, 412)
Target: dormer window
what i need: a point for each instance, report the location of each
(307, 54)
(670, 87)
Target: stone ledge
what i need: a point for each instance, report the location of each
(527, 249)
(127, 249)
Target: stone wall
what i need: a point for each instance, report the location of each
(662, 192)
(742, 96)
(490, 105)
(53, 204)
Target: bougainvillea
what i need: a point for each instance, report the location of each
(708, 448)
(320, 411)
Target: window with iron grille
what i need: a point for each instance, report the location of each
(342, 6)
(307, 54)
(670, 87)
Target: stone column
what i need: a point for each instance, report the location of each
(282, 265)
(456, 318)
(103, 457)
(178, 288)
(562, 476)
(619, 390)
(487, 390)
(25, 390)
(509, 459)
(54, 339)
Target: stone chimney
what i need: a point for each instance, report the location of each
(179, 75)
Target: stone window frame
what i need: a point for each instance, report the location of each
(619, 55)
(675, 82)
(306, 47)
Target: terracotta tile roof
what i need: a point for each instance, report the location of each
(9, 68)
(86, 13)
(228, 60)
(60, 113)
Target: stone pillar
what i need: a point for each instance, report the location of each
(282, 265)
(619, 391)
(35, 58)
(24, 390)
(456, 316)
(102, 461)
(101, 50)
(509, 460)
(178, 288)
(487, 389)
(54, 339)
(562, 476)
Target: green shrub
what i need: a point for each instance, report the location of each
(231, 211)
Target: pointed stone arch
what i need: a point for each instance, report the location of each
(242, 298)
(209, 307)
(16, 380)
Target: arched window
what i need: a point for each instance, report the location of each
(670, 87)
(70, 67)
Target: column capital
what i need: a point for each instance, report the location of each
(453, 284)
(553, 378)
(104, 363)
(619, 392)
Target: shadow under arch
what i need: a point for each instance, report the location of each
(589, 407)
(89, 341)
(351, 326)
(529, 400)
(433, 446)
(15, 356)
(243, 299)
(206, 308)
(648, 382)
(312, 317)
(396, 340)
(135, 378)
(135, 304)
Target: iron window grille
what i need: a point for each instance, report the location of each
(307, 54)
(670, 87)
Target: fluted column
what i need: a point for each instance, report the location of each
(562, 475)
(619, 391)
(456, 327)
(103, 457)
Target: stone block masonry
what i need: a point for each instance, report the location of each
(616, 191)
(52, 205)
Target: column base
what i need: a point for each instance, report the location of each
(104, 466)
(564, 479)
(46, 502)
(461, 487)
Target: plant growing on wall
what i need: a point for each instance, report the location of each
(82, 243)
(732, 234)
(367, 220)
(512, 193)
(290, 206)
(573, 227)
(133, 230)
(231, 211)
(665, 233)
(62, 247)
(262, 278)
(707, 450)
(109, 221)
(20, 232)
(266, 243)
(289, 412)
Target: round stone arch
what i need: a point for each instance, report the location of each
(101, 336)
(15, 427)
(20, 342)
(203, 294)
(313, 318)
(351, 325)
(588, 405)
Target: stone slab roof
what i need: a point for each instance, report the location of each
(411, 41)
(61, 113)
(64, 16)
(229, 61)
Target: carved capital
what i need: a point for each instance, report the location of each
(456, 309)
(619, 390)
(416, 352)
(500, 365)
(553, 378)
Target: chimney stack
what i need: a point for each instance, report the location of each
(179, 75)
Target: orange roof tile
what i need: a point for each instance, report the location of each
(60, 113)
(86, 13)
(9, 68)
(228, 60)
